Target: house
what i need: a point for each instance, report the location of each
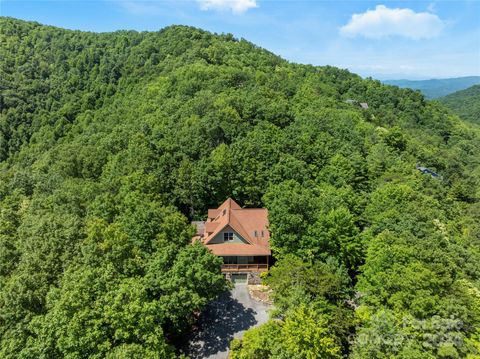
(362, 105)
(239, 235)
(427, 171)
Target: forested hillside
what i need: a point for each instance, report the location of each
(465, 103)
(111, 143)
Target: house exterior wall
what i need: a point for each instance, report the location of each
(238, 259)
(245, 259)
(218, 239)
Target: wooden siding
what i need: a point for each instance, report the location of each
(218, 239)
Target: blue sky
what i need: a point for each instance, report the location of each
(385, 39)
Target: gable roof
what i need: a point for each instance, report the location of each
(223, 219)
(250, 223)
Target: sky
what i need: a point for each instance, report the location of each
(384, 39)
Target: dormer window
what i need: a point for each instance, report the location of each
(228, 236)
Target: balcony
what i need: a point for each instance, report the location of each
(244, 268)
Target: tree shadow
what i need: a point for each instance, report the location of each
(217, 325)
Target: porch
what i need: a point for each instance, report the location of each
(245, 264)
(244, 267)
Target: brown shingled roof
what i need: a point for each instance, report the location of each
(238, 249)
(250, 223)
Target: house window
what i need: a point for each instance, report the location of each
(227, 236)
(263, 234)
(255, 233)
(230, 260)
(224, 212)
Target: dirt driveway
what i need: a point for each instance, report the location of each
(226, 318)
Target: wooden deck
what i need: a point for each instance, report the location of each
(228, 268)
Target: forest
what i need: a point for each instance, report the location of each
(465, 103)
(111, 143)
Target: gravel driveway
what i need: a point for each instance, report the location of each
(224, 319)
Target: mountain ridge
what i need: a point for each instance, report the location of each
(465, 103)
(110, 144)
(435, 88)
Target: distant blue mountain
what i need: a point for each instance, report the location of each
(437, 87)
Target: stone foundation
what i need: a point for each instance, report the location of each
(254, 278)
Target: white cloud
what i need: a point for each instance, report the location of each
(385, 22)
(236, 6)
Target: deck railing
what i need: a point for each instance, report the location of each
(244, 267)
